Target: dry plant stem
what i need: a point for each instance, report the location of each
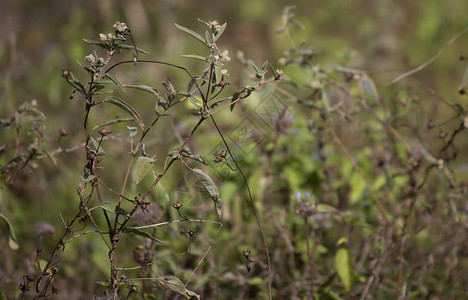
(106, 216)
(270, 275)
(309, 254)
(430, 61)
(387, 126)
(369, 188)
(124, 185)
(88, 212)
(150, 263)
(239, 99)
(60, 244)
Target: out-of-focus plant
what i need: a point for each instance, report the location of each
(115, 215)
(373, 183)
(23, 145)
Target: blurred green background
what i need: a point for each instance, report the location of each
(385, 38)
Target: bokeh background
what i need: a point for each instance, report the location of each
(385, 38)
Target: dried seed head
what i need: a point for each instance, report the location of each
(90, 59)
(65, 73)
(247, 253)
(177, 205)
(348, 77)
(104, 132)
(442, 134)
(62, 132)
(462, 91)
(462, 56)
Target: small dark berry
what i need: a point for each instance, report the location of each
(462, 91)
(430, 124)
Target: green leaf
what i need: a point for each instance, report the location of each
(120, 211)
(273, 71)
(344, 267)
(235, 96)
(204, 22)
(196, 104)
(131, 47)
(142, 87)
(103, 45)
(218, 73)
(98, 147)
(281, 29)
(114, 80)
(107, 206)
(257, 69)
(74, 80)
(142, 167)
(220, 31)
(103, 92)
(297, 23)
(208, 38)
(199, 57)
(12, 241)
(192, 33)
(218, 103)
(325, 208)
(113, 120)
(132, 131)
(326, 99)
(141, 233)
(123, 105)
(188, 154)
(88, 178)
(169, 87)
(211, 188)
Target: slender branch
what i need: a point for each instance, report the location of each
(430, 61)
